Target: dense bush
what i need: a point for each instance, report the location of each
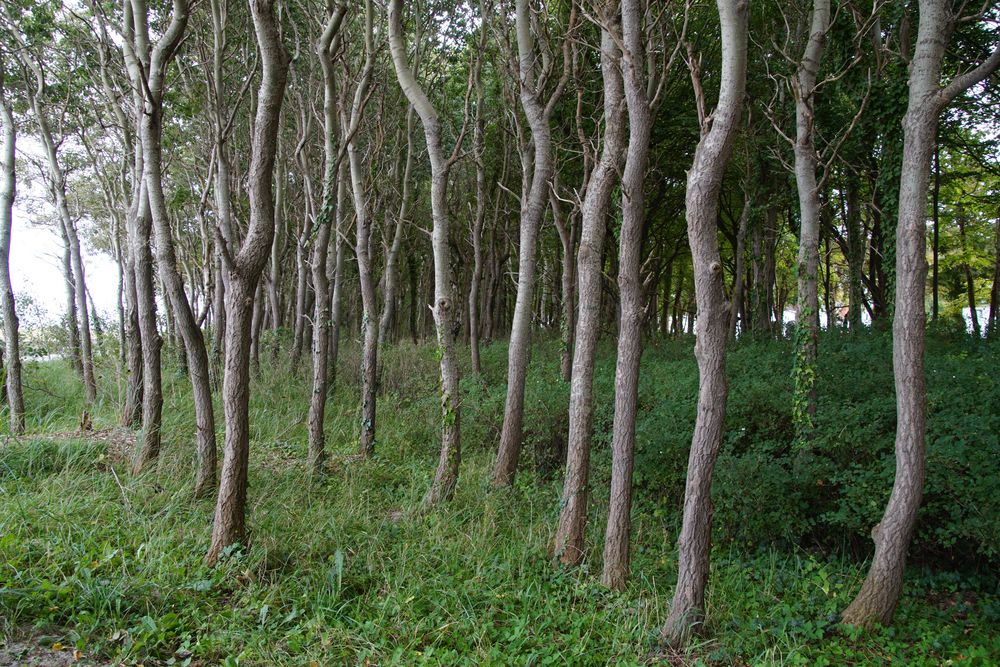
(829, 492)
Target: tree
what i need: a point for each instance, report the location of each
(154, 63)
(568, 544)
(445, 304)
(638, 99)
(8, 190)
(876, 601)
(718, 133)
(807, 313)
(538, 161)
(325, 49)
(244, 269)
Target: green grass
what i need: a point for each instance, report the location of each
(344, 571)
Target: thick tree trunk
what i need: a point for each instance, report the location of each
(8, 190)
(876, 601)
(446, 474)
(245, 269)
(630, 289)
(702, 200)
(569, 539)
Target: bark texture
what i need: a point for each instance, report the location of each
(630, 289)
(8, 190)
(444, 309)
(569, 538)
(534, 203)
(876, 602)
(244, 270)
(807, 312)
(702, 201)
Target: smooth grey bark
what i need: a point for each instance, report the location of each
(569, 539)
(245, 268)
(704, 182)
(362, 248)
(807, 310)
(328, 215)
(534, 202)
(8, 191)
(630, 289)
(876, 602)
(445, 305)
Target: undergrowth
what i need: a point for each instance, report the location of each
(344, 570)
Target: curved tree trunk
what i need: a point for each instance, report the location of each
(444, 308)
(702, 203)
(534, 202)
(877, 599)
(569, 538)
(190, 332)
(244, 269)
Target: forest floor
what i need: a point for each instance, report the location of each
(96, 564)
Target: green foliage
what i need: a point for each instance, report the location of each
(343, 571)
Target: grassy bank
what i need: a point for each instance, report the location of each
(343, 571)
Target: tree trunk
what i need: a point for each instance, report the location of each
(190, 332)
(702, 200)
(8, 190)
(736, 298)
(391, 276)
(970, 283)
(569, 539)
(245, 269)
(807, 310)
(362, 250)
(567, 324)
(630, 289)
(855, 255)
(532, 210)
(876, 601)
(992, 321)
(446, 474)
(328, 215)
